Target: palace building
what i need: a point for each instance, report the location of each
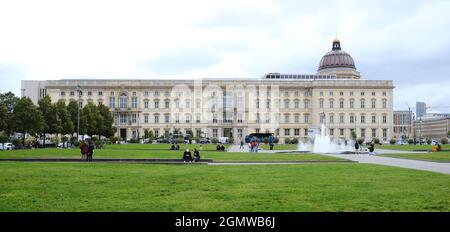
(288, 105)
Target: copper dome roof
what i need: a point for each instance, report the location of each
(336, 58)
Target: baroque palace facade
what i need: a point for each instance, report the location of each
(288, 105)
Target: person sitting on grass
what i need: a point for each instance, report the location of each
(218, 147)
(196, 155)
(172, 147)
(187, 156)
(177, 147)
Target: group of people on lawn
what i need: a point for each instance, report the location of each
(187, 156)
(370, 147)
(87, 149)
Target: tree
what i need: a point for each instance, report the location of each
(27, 118)
(108, 120)
(3, 117)
(72, 108)
(353, 135)
(52, 123)
(9, 99)
(66, 120)
(3, 138)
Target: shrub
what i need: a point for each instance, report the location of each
(444, 140)
(17, 142)
(76, 143)
(429, 141)
(360, 141)
(294, 141)
(197, 139)
(287, 140)
(214, 140)
(3, 138)
(231, 140)
(410, 141)
(266, 140)
(133, 140)
(392, 141)
(179, 140)
(276, 140)
(114, 139)
(376, 140)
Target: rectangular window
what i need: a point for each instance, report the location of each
(112, 102)
(166, 104)
(341, 93)
(374, 133)
(123, 118)
(156, 133)
(156, 118)
(306, 118)
(384, 119)
(166, 118)
(72, 93)
(287, 132)
(363, 132)
(352, 104)
(146, 104)
(374, 119)
(331, 132)
(321, 118)
(331, 104)
(341, 104)
(341, 118)
(133, 118)
(134, 102)
(341, 132)
(145, 118)
(321, 104)
(363, 119)
(156, 104)
(197, 120)
(331, 118)
(240, 133)
(100, 93)
(384, 103)
(215, 133)
(286, 118)
(306, 132)
(89, 93)
(123, 102)
(384, 133)
(297, 118)
(296, 132)
(373, 104)
(63, 93)
(352, 119)
(363, 104)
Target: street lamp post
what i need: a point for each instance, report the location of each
(78, 116)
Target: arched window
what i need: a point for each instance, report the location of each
(123, 100)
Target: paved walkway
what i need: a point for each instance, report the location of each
(403, 163)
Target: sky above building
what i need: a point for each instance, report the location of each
(404, 41)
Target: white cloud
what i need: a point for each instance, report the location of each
(400, 40)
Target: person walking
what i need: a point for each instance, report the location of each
(371, 148)
(242, 144)
(91, 148)
(356, 147)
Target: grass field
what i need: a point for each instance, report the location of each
(280, 147)
(136, 151)
(433, 156)
(141, 187)
(411, 147)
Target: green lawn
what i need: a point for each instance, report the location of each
(410, 147)
(162, 146)
(433, 156)
(280, 147)
(119, 151)
(143, 187)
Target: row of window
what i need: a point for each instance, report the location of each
(362, 132)
(179, 94)
(362, 103)
(351, 93)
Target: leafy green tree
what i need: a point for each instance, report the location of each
(107, 128)
(3, 117)
(66, 120)
(52, 122)
(72, 108)
(27, 118)
(3, 138)
(9, 99)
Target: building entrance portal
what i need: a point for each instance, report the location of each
(227, 132)
(123, 134)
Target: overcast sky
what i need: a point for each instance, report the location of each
(405, 41)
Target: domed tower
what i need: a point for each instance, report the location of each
(339, 63)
